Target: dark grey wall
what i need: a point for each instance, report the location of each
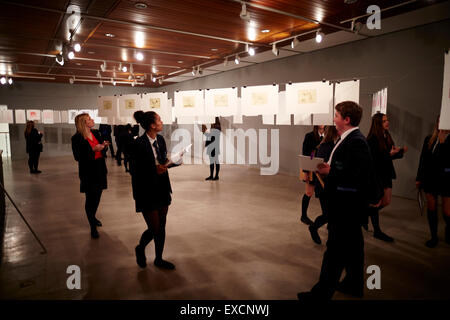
(410, 63)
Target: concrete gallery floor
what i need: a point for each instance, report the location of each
(236, 238)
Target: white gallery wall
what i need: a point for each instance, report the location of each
(410, 63)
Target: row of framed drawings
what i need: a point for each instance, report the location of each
(308, 102)
(45, 116)
(300, 99)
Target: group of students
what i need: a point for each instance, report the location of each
(355, 182)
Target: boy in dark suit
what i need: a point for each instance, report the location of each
(350, 188)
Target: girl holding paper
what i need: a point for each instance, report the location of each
(312, 140)
(151, 186)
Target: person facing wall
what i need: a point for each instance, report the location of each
(34, 146)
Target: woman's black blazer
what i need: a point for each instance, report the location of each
(383, 160)
(150, 190)
(92, 172)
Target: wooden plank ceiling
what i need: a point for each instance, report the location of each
(174, 37)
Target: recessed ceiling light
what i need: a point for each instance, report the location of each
(91, 52)
(78, 64)
(265, 31)
(110, 35)
(140, 5)
(214, 49)
(180, 61)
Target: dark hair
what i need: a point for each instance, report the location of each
(330, 134)
(316, 133)
(145, 119)
(28, 128)
(385, 141)
(350, 109)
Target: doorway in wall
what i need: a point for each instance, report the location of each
(4, 137)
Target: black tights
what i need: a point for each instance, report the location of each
(156, 224)
(33, 161)
(91, 205)
(211, 169)
(323, 218)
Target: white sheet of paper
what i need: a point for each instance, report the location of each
(128, 105)
(47, 116)
(189, 103)
(33, 115)
(306, 163)
(9, 116)
(20, 116)
(346, 91)
(221, 102)
(108, 106)
(268, 119)
(282, 117)
(56, 116)
(444, 121)
(309, 97)
(259, 100)
(302, 119)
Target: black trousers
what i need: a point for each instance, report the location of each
(91, 205)
(33, 160)
(345, 250)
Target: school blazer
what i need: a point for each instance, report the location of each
(351, 183)
(149, 188)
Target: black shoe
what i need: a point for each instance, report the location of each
(343, 288)
(306, 220)
(98, 223)
(94, 233)
(37, 171)
(216, 178)
(140, 256)
(314, 234)
(164, 264)
(209, 178)
(382, 236)
(433, 242)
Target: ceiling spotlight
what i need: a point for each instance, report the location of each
(154, 69)
(132, 83)
(139, 56)
(71, 55)
(100, 84)
(2, 80)
(130, 77)
(140, 5)
(153, 79)
(193, 71)
(103, 66)
(251, 51)
(244, 14)
(60, 59)
(265, 31)
(199, 71)
(160, 81)
(294, 42)
(114, 72)
(98, 74)
(124, 69)
(236, 59)
(71, 80)
(131, 69)
(275, 50)
(319, 36)
(10, 81)
(114, 83)
(77, 47)
(225, 62)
